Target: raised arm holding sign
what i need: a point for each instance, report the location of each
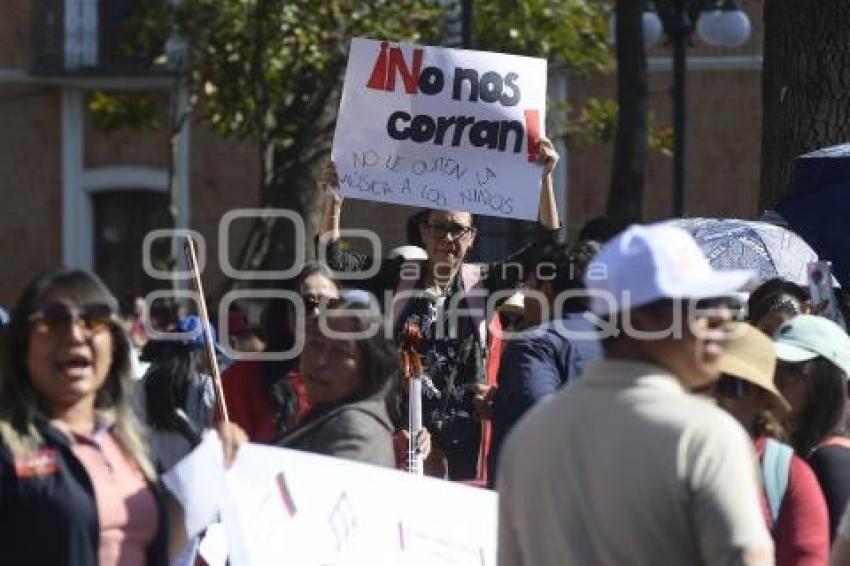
(457, 132)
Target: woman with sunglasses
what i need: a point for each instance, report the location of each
(814, 363)
(76, 483)
(267, 398)
(349, 371)
(454, 360)
(795, 510)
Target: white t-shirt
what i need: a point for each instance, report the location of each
(626, 467)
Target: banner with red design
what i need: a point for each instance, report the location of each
(441, 128)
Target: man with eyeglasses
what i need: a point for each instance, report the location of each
(626, 465)
(446, 298)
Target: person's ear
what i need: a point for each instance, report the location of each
(547, 289)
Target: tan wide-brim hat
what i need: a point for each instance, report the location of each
(750, 356)
(515, 304)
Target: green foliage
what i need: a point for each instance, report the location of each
(660, 138)
(118, 111)
(271, 70)
(573, 33)
(266, 69)
(596, 122)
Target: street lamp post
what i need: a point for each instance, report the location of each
(679, 31)
(466, 23)
(720, 23)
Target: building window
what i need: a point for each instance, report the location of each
(81, 31)
(121, 221)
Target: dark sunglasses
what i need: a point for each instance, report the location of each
(456, 231)
(312, 305)
(730, 387)
(56, 317)
(735, 305)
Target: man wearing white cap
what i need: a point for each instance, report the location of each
(626, 466)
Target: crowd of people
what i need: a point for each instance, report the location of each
(625, 404)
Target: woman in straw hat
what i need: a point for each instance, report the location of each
(795, 509)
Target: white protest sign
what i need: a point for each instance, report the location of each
(441, 128)
(297, 508)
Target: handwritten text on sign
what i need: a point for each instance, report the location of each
(441, 128)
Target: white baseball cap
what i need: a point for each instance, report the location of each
(408, 253)
(651, 262)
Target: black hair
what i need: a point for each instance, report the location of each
(570, 264)
(175, 367)
(600, 229)
(378, 355)
(776, 295)
(412, 227)
(825, 408)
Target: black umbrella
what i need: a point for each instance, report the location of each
(817, 205)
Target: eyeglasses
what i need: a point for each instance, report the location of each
(57, 317)
(456, 231)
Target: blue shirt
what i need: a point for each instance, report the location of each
(532, 368)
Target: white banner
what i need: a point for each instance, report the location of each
(285, 507)
(441, 128)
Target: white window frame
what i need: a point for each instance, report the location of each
(80, 184)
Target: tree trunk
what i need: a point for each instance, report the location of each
(271, 243)
(625, 197)
(296, 192)
(805, 86)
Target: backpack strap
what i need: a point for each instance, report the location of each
(835, 440)
(775, 470)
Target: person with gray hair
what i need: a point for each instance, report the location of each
(626, 465)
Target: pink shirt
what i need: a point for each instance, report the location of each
(126, 507)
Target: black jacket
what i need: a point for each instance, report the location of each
(50, 516)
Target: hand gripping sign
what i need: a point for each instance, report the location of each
(441, 128)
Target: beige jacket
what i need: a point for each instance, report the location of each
(626, 467)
